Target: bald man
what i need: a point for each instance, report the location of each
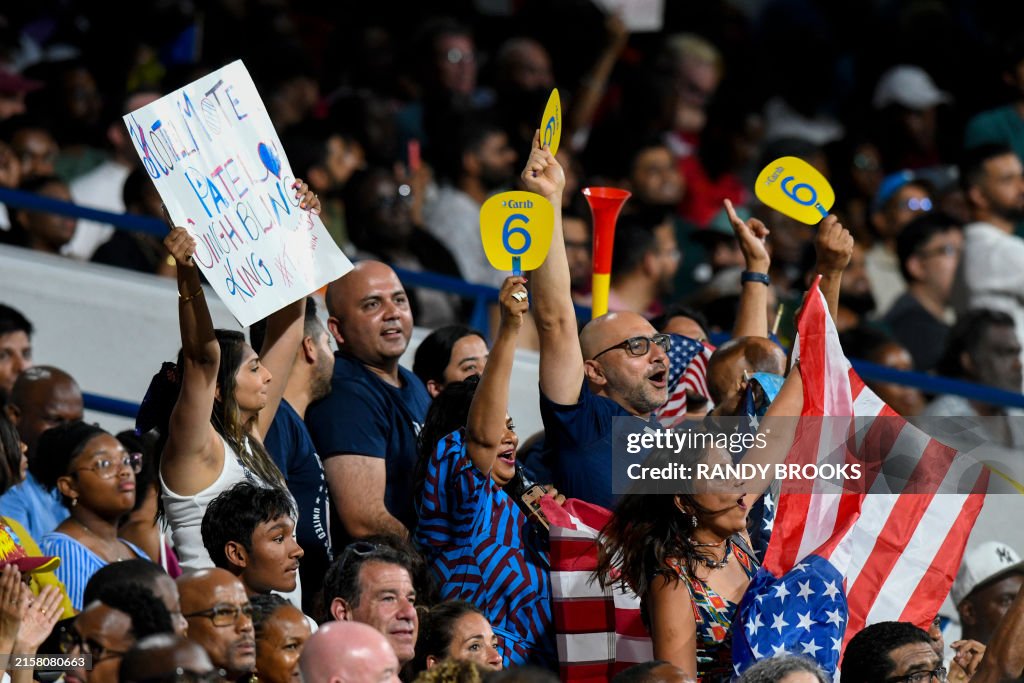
(617, 367)
(365, 429)
(216, 606)
(348, 652)
(156, 659)
(42, 397)
(726, 381)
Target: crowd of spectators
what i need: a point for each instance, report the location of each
(300, 504)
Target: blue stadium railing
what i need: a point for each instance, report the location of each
(482, 296)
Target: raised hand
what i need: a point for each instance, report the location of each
(10, 606)
(833, 245)
(182, 246)
(307, 198)
(751, 236)
(543, 174)
(38, 618)
(515, 302)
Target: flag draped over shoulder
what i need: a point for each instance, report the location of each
(838, 561)
(687, 373)
(599, 630)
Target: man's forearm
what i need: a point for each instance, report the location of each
(373, 522)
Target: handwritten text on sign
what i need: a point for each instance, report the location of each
(216, 160)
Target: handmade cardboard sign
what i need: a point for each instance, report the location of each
(551, 123)
(516, 229)
(795, 188)
(214, 156)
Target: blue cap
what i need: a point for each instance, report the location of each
(889, 186)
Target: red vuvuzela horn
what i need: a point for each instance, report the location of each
(605, 205)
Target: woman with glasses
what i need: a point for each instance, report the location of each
(480, 545)
(95, 476)
(224, 398)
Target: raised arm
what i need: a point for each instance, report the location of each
(284, 334)
(834, 247)
(190, 432)
(486, 425)
(561, 360)
(752, 317)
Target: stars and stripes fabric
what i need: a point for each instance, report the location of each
(599, 631)
(838, 561)
(687, 372)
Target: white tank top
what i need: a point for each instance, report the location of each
(185, 516)
(185, 513)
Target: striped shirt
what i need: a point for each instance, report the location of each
(77, 563)
(482, 549)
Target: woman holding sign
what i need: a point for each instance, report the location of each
(480, 545)
(226, 403)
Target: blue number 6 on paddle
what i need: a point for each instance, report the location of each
(794, 192)
(507, 231)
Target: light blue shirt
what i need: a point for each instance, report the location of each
(33, 507)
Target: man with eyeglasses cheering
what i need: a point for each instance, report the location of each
(617, 367)
(219, 617)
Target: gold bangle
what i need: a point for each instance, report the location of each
(186, 299)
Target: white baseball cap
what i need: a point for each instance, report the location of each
(988, 562)
(909, 86)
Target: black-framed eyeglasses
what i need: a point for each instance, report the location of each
(921, 676)
(639, 346)
(107, 468)
(71, 641)
(182, 675)
(224, 615)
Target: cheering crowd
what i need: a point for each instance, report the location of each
(295, 503)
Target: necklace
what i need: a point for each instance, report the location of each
(710, 545)
(717, 564)
(117, 554)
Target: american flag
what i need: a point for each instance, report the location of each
(840, 561)
(687, 372)
(599, 630)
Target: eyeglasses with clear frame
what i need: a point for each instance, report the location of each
(107, 468)
(639, 346)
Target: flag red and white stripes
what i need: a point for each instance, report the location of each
(899, 551)
(600, 631)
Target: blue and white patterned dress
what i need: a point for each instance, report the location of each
(482, 549)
